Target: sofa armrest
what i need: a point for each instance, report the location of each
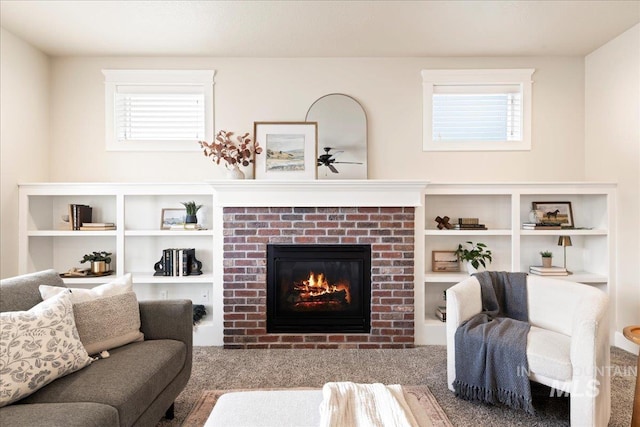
(464, 300)
(170, 319)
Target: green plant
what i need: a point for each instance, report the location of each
(97, 256)
(192, 207)
(477, 254)
(546, 254)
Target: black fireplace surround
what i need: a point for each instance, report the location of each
(318, 288)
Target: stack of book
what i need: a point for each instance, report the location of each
(186, 227)
(441, 313)
(97, 226)
(469, 224)
(541, 226)
(548, 271)
(78, 215)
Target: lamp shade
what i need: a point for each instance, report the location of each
(564, 241)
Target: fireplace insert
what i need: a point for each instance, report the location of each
(319, 288)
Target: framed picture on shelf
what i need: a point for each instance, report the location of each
(557, 213)
(172, 216)
(289, 150)
(444, 261)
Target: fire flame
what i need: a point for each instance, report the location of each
(317, 285)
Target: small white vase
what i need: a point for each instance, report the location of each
(470, 268)
(236, 173)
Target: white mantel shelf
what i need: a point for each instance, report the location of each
(334, 193)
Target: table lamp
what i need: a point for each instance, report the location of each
(565, 241)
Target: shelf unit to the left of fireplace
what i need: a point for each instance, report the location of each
(45, 240)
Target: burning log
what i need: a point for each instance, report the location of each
(338, 296)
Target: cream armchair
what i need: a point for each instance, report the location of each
(567, 346)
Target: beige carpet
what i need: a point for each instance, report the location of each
(203, 407)
(217, 369)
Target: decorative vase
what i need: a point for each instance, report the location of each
(534, 216)
(190, 219)
(236, 173)
(98, 267)
(546, 261)
(470, 268)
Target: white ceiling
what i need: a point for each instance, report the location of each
(318, 28)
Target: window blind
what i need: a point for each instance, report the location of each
(477, 113)
(160, 116)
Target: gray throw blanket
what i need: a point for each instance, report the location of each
(491, 347)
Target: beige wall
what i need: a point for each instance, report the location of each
(390, 89)
(24, 134)
(612, 153)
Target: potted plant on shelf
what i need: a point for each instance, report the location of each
(547, 258)
(99, 261)
(233, 153)
(474, 255)
(192, 209)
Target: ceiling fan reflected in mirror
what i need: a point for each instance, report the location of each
(327, 159)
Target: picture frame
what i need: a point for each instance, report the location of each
(172, 216)
(554, 213)
(444, 262)
(289, 150)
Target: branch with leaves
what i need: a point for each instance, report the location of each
(233, 151)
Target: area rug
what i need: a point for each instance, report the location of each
(203, 407)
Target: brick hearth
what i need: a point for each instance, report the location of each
(389, 230)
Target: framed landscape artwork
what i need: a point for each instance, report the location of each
(289, 150)
(171, 216)
(554, 213)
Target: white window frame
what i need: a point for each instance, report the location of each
(431, 78)
(201, 80)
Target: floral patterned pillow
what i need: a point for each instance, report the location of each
(38, 346)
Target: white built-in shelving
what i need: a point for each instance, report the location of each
(137, 243)
(503, 208)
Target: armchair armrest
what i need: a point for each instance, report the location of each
(464, 300)
(590, 354)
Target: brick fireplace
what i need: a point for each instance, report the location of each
(247, 230)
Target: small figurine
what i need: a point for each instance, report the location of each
(443, 223)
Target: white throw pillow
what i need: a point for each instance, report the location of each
(38, 346)
(119, 286)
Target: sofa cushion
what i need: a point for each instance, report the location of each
(20, 293)
(118, 286)
(109, 322)
(549, 354)
(129, 380)
(80, 414)
(37, 346)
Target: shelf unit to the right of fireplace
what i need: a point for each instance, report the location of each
(503, 208)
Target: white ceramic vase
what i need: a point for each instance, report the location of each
(470, 268)
(236, 173)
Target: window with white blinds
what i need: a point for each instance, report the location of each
(158, 110)
(477, 110)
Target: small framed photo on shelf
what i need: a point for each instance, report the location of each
(556, 213)
(289, 150)
(172, 216)
(444, 262)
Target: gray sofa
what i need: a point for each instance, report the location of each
(135, 386)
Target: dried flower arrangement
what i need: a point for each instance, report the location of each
(234, 153)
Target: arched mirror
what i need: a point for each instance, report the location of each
(342, 137)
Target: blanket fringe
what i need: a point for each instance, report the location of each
(493, 396)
